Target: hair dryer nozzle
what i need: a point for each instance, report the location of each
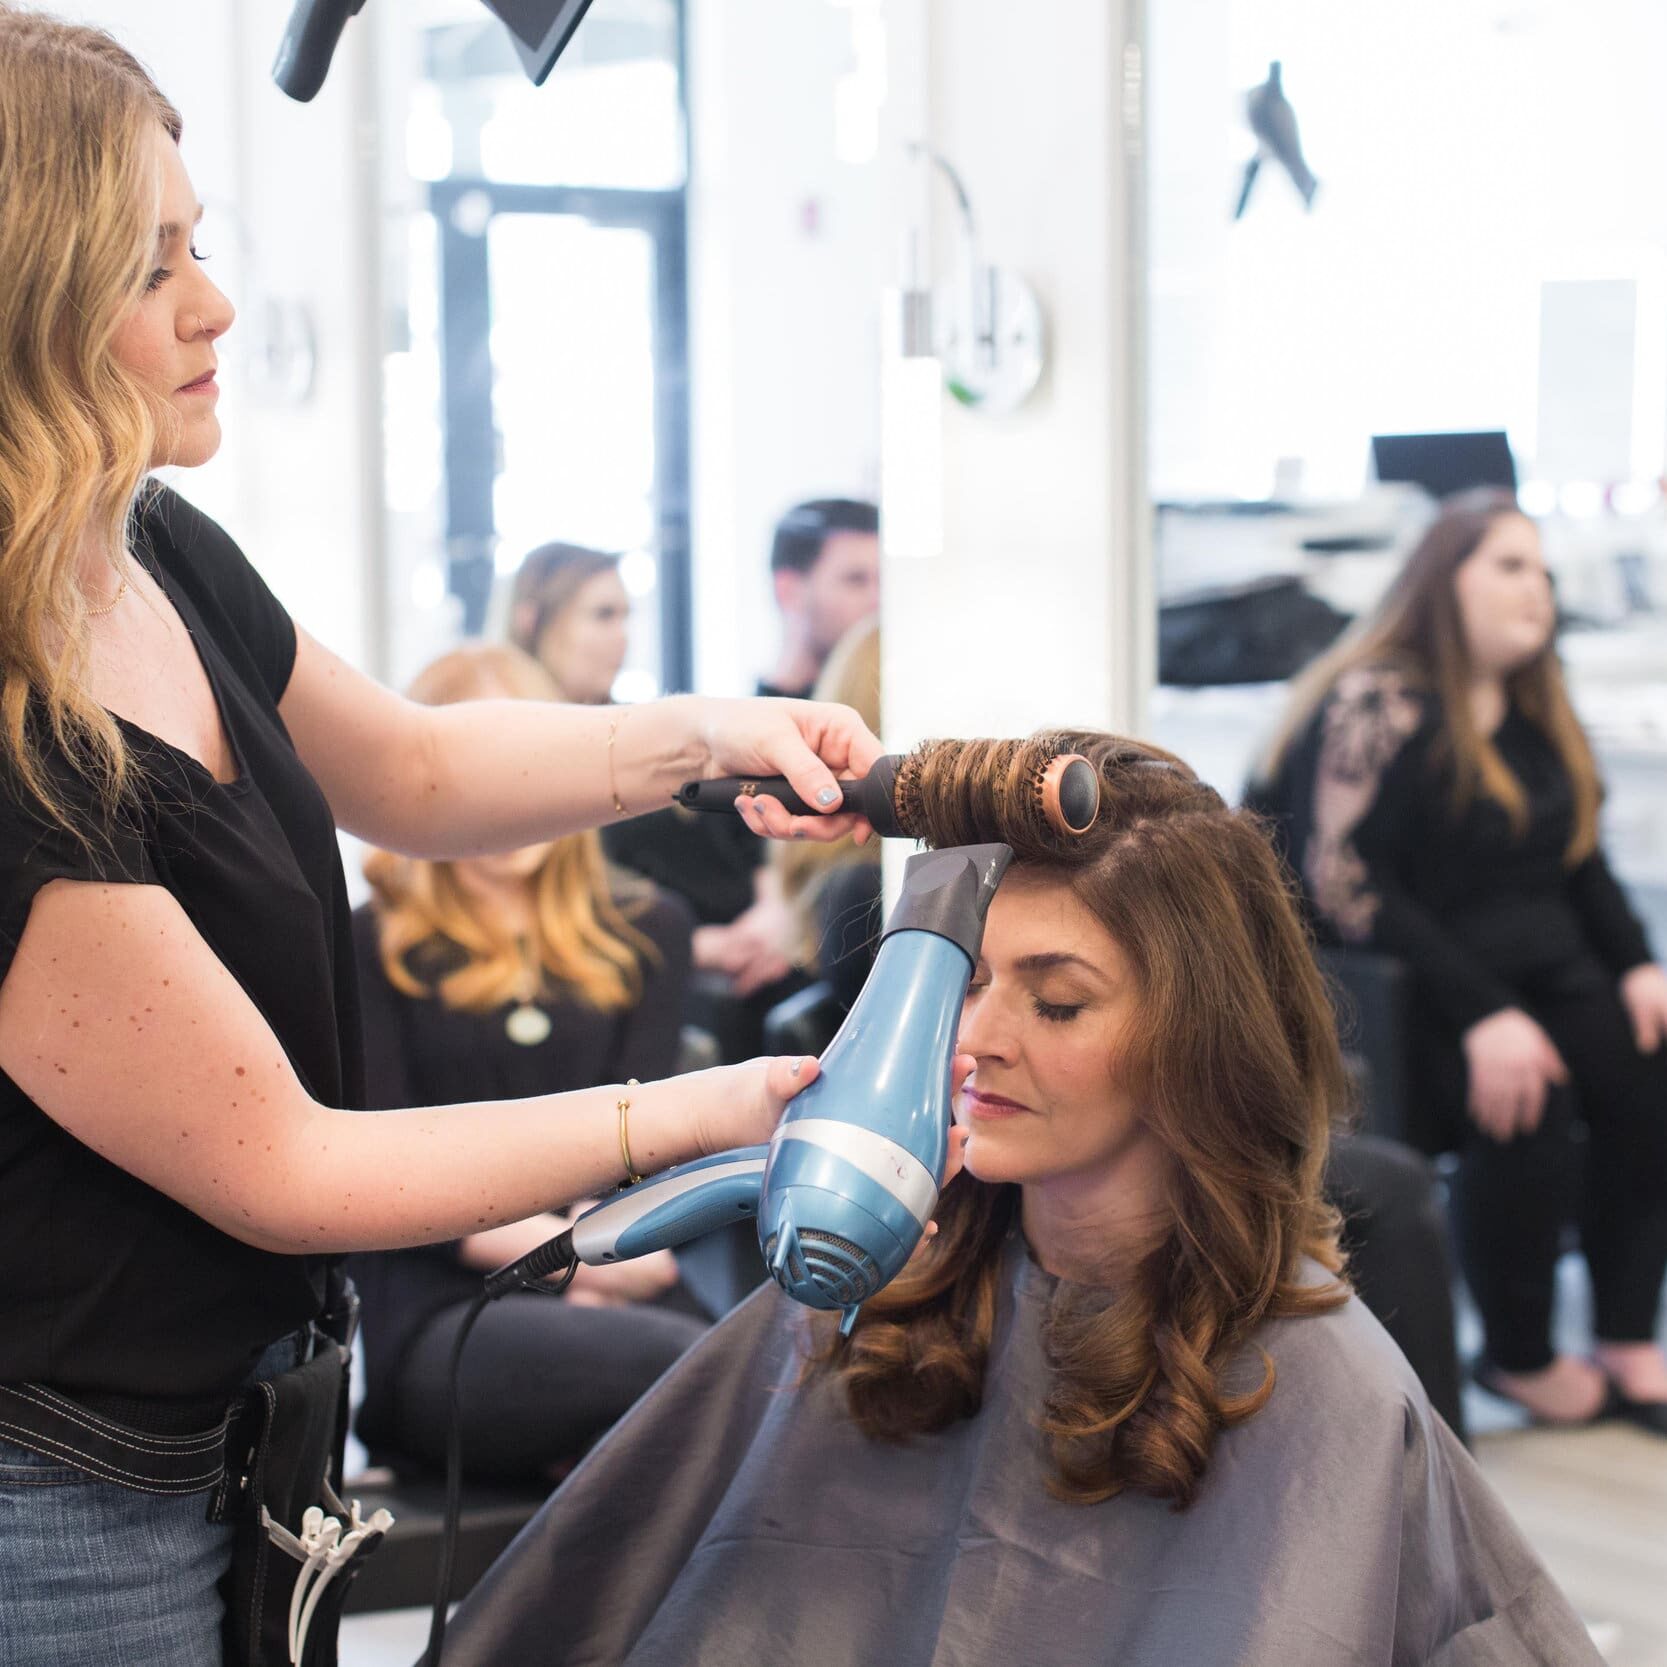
(949, 892)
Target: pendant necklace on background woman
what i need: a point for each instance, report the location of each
(528, 1024)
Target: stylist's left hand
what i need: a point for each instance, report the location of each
(810, 742)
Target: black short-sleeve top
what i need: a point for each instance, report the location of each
(107, 1286)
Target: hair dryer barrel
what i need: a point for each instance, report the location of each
(856, 1163)
(847, 1185)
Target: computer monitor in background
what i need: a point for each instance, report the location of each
(1446, 463)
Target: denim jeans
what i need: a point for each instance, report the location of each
(95, 1575)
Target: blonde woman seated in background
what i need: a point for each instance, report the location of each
(570, 611)
(498, 978)
(1123, 1410)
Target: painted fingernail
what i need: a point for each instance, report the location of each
(796, 1068)
(827, 796)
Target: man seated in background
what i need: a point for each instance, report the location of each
(825, 572)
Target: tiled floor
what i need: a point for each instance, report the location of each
(393, 1639)
(1593, 1503)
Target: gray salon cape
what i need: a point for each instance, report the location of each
(736, 1520)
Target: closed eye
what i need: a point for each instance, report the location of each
(163, 273)
(1055, 1012)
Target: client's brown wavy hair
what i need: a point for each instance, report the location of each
(1233, 1058)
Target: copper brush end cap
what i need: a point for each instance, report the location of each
(1070, 792)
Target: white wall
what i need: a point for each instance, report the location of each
(1037, 611)
(1467, 150)
(788, 254)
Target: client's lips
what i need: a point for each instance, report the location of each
(980, 1104)
(201, 383)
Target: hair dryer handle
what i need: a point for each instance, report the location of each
(670, 1209)
(657, 1214)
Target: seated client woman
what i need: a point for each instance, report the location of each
(502, 977)
(1122, 1408)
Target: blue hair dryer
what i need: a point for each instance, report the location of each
(846, 1186)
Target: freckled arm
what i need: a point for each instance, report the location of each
(478, 776)
(122, 1024)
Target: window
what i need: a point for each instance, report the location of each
(541, 392)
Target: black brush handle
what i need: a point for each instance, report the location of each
(870, 797)
(721, 794)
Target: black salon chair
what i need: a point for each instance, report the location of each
(805, 1022)
(401, 1575)
(1371, 993)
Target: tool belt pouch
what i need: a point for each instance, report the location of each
(283, 1455)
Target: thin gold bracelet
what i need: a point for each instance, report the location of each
(631, 1174)
(613, 784)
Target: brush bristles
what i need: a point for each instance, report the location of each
(906, 796)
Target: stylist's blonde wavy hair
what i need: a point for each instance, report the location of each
(79, 208)
(582, 941)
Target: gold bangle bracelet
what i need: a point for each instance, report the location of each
(631, 1174)
(613, 783)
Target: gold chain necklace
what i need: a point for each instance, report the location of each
(111, 605)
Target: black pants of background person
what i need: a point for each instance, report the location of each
(1598, 1160)
(542, 1380)
(1396, 1236)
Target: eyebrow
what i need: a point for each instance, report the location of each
(170, 229)
(1047, 960)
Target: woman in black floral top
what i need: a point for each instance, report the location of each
(1440, 803)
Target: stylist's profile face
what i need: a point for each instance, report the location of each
(1506, 607)
(1045, 1018)
(166, 341)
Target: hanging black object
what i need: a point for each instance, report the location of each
(540, 29)
(1261, 632)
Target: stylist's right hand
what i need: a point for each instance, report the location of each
(1513, 1065)
(740, 1105)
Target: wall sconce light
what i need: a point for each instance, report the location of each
(987, 320)
(981, 337)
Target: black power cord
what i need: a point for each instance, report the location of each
(547, 1271)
